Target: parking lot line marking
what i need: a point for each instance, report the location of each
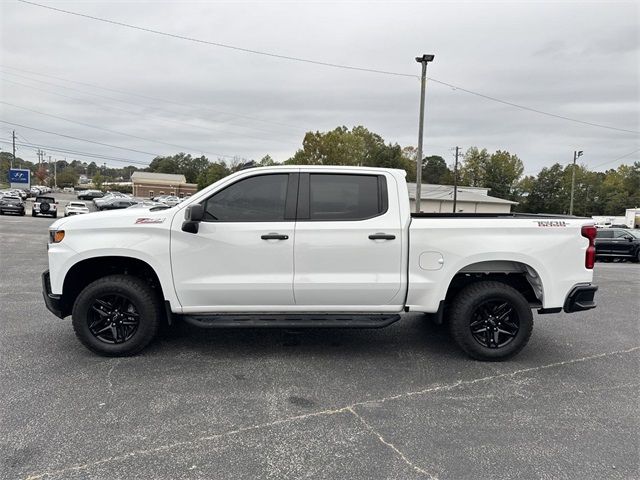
(390, 445)
(328, 412)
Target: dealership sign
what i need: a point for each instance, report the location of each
(20, 178)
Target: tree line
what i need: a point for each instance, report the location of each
(502, 172)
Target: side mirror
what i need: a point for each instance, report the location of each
(192, 218)
(194, 213)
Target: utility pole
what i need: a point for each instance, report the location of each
(14, 148)
(576, 154)
(424, 59)
(455, 182)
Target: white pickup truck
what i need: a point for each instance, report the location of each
(304, 246)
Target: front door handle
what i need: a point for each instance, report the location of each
(274, 236)
(381, 236)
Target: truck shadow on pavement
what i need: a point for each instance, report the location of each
(412, 334)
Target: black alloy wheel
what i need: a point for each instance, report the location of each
(494, 323)
(490, 320)
(113, 319)
(117, 315)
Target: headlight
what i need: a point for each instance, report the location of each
(56, 236)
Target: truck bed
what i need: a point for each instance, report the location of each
(493, 215)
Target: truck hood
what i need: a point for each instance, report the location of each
(124, 218)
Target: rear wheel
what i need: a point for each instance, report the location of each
(116, 315)
(490, 321)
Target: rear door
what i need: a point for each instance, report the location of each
(348, 249)
(621, 243)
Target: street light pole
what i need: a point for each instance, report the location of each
(576, 154)
(424, 59)
(455, 182)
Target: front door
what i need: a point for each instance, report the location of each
(621, 244)
(241, 258)
(348, 249)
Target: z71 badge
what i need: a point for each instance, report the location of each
(149, 220)
(552, 223)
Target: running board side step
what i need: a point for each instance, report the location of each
(291, 320)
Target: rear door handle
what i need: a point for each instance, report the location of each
(274, 236)
(381, 236)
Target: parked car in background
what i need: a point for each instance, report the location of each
(19, 193)
(150, 204)
(107, 198)
(89, 194)
(171, 201)
(618, 243)
(11, 204)
(117, 203)
(44, 206)
(35, 191)
(75, 208)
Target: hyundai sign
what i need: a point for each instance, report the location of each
(20, 178)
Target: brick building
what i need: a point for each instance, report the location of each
(148, 184)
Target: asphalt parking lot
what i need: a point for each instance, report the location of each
(397, 403)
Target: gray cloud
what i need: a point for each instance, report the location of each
(573, 59)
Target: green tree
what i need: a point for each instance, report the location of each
(97, 180)
(502, 172)
(67, 178)
(212, 174)
(435, 171)
(267, 161)
(547, 192)
(341, 146)
(474, 166)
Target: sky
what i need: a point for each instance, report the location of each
(127, 95)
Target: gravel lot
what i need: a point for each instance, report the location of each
(399, 403)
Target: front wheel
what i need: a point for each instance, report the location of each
(116, 316)
(490, 321)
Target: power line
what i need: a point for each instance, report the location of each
(155, 99)
(222, 45)
(77, 138)
(326, 64)
(530, 109)
(112, 131)
(113, 99)
(70, 152)
(616, 159)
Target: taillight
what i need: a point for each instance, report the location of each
(590, 232)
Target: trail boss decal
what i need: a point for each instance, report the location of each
(552, 223)
(149, 220)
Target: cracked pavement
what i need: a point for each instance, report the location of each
(396, 403)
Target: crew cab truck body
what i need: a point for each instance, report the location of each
(304, 246)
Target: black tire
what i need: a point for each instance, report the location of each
(475, 306)
(55, 215)
(637, 257)
(33, 214)
(136, 293)
(44, 207)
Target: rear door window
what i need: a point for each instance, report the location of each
(605, 234)
(346, 197)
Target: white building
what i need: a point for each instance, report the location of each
(439, 199)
